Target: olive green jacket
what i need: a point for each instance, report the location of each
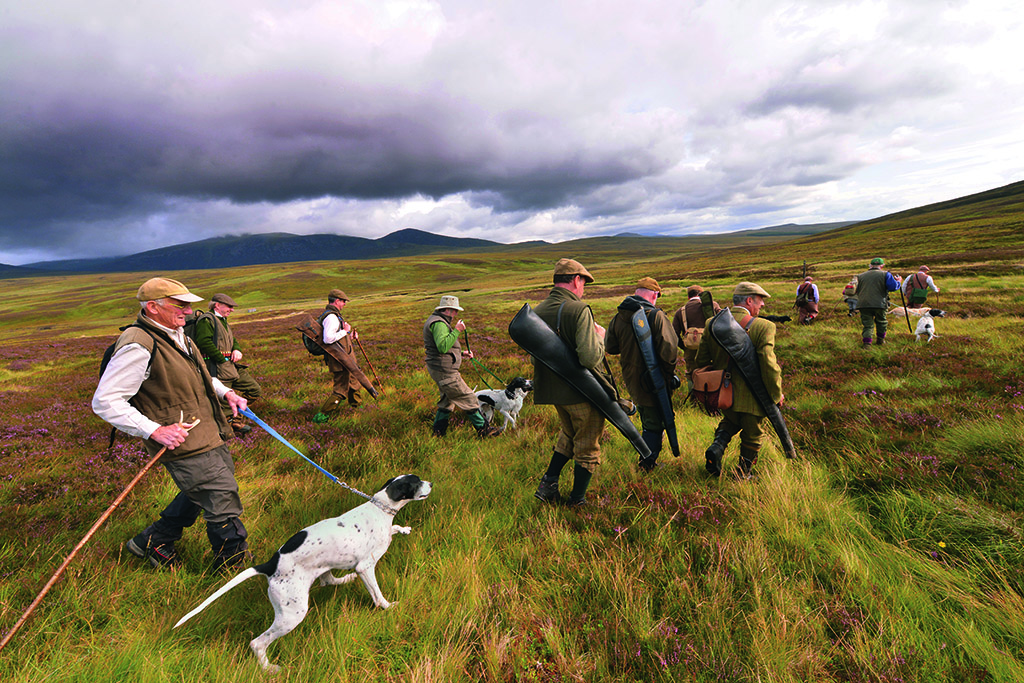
(762, 334)
(577, 331)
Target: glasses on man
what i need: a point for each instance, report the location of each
(179, 305)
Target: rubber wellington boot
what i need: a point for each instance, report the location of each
(653, 441)
(713, 455)
(580, 483)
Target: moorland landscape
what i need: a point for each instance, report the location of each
(890, 550)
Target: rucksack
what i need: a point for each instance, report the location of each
(803, 295)
(108, 353)
(311, 346)
(916, 294)
(190, 324)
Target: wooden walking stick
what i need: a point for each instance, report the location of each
(95, 527)
(370, 365)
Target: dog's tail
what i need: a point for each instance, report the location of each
(247, 574)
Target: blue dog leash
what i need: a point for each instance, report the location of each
(270, 430)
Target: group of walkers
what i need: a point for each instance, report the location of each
(175, 379)
(868, 295)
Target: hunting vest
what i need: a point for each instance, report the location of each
(871, 291)
(345, 342)
(178, 388)
(438, 362)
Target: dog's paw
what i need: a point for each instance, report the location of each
(395, 529)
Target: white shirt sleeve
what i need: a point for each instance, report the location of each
(332, 329)
(127, 370)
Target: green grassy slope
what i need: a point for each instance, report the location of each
(890, 551)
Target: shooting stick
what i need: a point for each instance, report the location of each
(370, 365)
(95, 527)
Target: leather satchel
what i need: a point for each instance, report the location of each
(712, 390)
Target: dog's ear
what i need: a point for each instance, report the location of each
(403, 487)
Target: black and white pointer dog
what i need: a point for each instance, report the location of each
(926, 324)
(508, 402)
(354, 541)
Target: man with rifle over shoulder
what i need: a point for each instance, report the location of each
(757, 378)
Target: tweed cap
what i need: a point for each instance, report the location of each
(750, 289)
(648, 283)
(162, 287)
(449, 301)
(924, 269)
(877, 261)
(567, 266)
(336, 294)
(224, 299)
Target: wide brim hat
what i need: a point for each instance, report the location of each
(449, 301)
(162, 287)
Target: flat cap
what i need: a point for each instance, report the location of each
(336, 294)
(648, 283)
(924, 269)
(224, 299)
(877, 261)
(567, 266)
(750, 289)
(161, 287)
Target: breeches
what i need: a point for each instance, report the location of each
(750, 426)
(582, 427)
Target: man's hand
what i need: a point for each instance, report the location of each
(467, 354)
(236, 402)
(460, 326)
(236, 356)
(599, 330)
(171, 436)
(781, 401)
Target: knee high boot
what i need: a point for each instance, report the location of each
(653, 441)
(748, 458)
(440, 427)
(713, 455)
(548, 489)
(580, 482)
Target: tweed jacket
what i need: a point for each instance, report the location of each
(577, 331)
(762, 334)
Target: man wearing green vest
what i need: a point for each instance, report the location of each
(216, 341)
(873, 287)
(444, 358)
(157, 387)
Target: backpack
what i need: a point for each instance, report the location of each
(803, 294)
(190, 324)
(916, 294)
(108, 353)
(311, 346)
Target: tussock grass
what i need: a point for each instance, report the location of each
(890, 550)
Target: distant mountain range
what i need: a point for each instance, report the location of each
(252, 250)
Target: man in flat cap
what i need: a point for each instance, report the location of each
(581, 423)
(873, 287)
(157, 387)
(746, 415)
(219, 346)
(444, 357)
(621, 339)
(916, 287)
(335, 329)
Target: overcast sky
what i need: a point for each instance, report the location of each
(129, 126)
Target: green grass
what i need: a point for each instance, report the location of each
(890, 551)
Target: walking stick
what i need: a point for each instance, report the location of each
(904, 301)
(368, 363)
(95, 527)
